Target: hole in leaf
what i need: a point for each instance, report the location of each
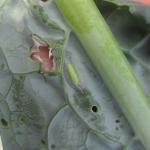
(117, 121)
(4, 122)
(41, 52)
(22, 120)
(94, 109)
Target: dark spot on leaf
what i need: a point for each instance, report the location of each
(44, 0)
(53, 146)
(43, 142)
(22, 120)
(117, 128)
(94, 109)
(4, 122)
(117, 121)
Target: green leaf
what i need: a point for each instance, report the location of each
(141, 52)
(32, 103)
(93, 142)
(129, 29)
(15, 35)
(66, 131)
(135, 8)
(97, 95)
(32, 112)
(5, 75)
(16, 29)
(133, 145)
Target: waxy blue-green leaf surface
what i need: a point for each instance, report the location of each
(45, 112)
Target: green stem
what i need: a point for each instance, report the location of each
(102, 48)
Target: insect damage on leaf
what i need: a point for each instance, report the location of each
(41, 52)
(43, 16)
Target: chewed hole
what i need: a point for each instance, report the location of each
(94, 109)
(4, 122)
(41, 52)
(117, 121)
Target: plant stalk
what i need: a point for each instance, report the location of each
(91, 29)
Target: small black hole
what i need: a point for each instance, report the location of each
(4, 122)
(94, 109)
(22, 120)
(117, 121)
